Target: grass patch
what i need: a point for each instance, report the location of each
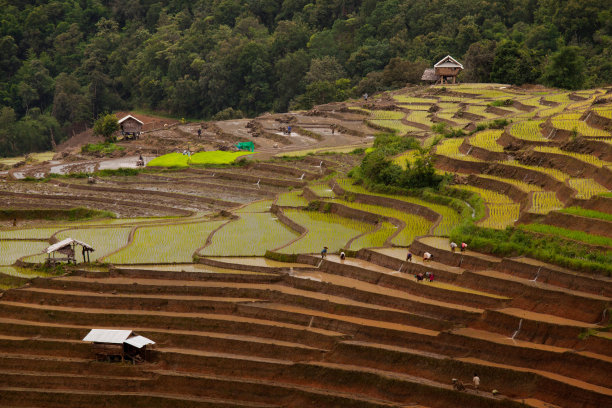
(101, 149)
(569, 233)
(583, 212)
(552, 248)
(202, 158)
(73, 214)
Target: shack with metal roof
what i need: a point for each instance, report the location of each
(66, 250)
(120, 345)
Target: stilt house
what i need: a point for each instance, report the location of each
(67, 248)
(444, 71)
(131, 127)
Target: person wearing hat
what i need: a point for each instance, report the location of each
(324, 252)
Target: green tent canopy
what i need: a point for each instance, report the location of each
(248, 146)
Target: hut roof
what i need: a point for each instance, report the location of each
(448, 62)
(429, 75)
(117, 337)
(128, 117)
(64, 243)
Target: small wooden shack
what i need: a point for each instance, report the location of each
(444, 71)
(130, 127)
(67, 248)
(121, 345)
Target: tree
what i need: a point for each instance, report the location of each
(478, 61)
(565, 69)
(106, 126)
(512, 64)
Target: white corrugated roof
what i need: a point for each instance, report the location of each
(108, 336)
(448, 61)
(130, 116)
(139, 341)
(66, 242)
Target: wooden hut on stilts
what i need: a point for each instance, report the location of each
(444, 71)
(67, 248)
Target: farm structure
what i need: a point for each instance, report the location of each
(444, 71)
(130, 127)
(67, 247)
(125, 344)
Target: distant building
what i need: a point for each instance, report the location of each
(444, 71)
(131, 127)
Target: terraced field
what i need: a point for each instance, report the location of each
(235, 329)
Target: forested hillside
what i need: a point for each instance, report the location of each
(64, 62)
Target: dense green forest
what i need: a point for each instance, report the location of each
(65, 62)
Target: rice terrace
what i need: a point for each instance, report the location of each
(215, 255)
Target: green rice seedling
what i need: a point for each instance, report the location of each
(416, 107)
(103, 240)
(180, 160)
(526, 187)
(543, 202)
(557, 174)
(376, 238)
(586, 188)
(605, 111)
(450, 148)
(11, 251)
(395, 125)
(449, 116)
(583, 212)
(166, 243)
(387, 115)
(448, 106)
(560, 97)
(415, 225)
(360, 110)
(487, 139)
(500, 215)
(587, 158)
(251, 235)
(413, 99)
(571, 121)
(22, 272)
(322, 190)
(420, 116)
(480, 110)
(292, 199)
(324, 229)
(450, 217)
(527, 130)
(553, 110)
(568, 234)
(256, 207)
(488, 196)
(29, 233)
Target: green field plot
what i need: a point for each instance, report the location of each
(292, 199)
(10, 251)
(543, 202)
(181, 160)
(605, 111)
(487, 139)
(587, 158)
(450, 148)
(420, 116)
(251, 235)
(387, 115)
(553, 110)
(22, 272)
(526, 187)
(29, 233)
(324, 229)
(450, 217)
(571, 121)
(502, 210)
(416, 107)
(322, 190)
(450, 116)
(480, 110)
(376, 238)
(586, 188)
(554, 173)
(415, 225)
(256, 207)
(527, 130)
(165, 243)
(103, 240)
(583, 212)
(568, 234)
(413, 99)
(394, 125)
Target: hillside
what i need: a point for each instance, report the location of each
(220, 264)
(65, 62)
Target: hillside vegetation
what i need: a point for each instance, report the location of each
(64, 62)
